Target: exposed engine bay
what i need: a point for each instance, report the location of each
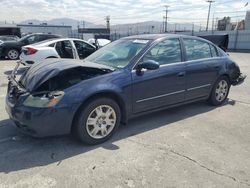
(70, 77)
(42, 87)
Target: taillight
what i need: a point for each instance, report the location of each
(30, 51)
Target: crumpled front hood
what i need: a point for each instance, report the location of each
(39, 73)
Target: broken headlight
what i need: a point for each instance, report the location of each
(44, 100)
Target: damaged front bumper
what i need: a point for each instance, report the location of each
(37, 122)
(239, 80)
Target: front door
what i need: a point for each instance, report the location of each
(83, 49)
(164, 86)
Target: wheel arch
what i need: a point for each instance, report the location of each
(105, 94)
(226, 75)
(6, 50)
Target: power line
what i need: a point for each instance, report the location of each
(147, 13)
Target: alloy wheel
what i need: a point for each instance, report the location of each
(221, 90)
(101, 121)
(13, 54)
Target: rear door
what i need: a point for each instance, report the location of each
(202, 67)
(164, 86)
(65, 49)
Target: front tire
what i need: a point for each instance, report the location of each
(13, 54)
(220, 91)
(97, 121)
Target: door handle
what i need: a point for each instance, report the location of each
(216, 67)
(181, 74)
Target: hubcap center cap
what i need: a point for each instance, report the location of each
(101, 121)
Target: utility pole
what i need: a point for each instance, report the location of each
(115, 35)
(163, 24)
(213, 25)
(210, 2)
(192, 29)
(108, 21)
(78, 27)
(137, 29)
(166, 21)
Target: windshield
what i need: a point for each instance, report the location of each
(23, 38)
(103, 42)
(118, 54)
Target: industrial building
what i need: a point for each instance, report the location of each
(224, 24)
(24, 29)
(10, 29)
(62, 30)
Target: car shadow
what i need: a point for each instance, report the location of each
(19, 152)
(20, 71)
(6, 59)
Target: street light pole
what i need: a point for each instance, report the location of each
(210, 2)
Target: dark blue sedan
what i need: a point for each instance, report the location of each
(127, 78)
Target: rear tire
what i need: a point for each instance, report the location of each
(13, 54)
(97, 121)
(220, 91)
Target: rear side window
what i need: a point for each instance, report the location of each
(196, 49)
(52, 45)
(51, 36)
(42, 37)
(213, 51)
(166, 52)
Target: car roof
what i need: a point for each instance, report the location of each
(42, 34)
(162, 36)
(51, 41)
(151, 36)
(158, 36)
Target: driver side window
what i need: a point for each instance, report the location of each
(165, 52)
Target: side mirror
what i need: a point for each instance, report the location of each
(149, 65)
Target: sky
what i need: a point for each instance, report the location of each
(121, 11)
